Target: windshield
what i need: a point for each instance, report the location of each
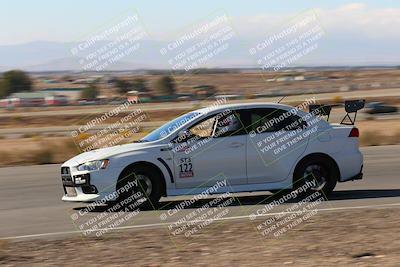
(169, 127)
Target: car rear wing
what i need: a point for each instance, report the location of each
(321, 110)
(350, 106)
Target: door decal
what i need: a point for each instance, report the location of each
(186, 168)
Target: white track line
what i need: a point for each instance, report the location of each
(219, 219)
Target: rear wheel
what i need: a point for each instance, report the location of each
(139, 187)
(316, 174)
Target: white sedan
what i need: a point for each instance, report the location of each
(239, 147)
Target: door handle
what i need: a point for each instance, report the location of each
(236, 144)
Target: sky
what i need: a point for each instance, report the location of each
(357, 32)
(63, 20)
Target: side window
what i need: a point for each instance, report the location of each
(259, 120)
(290, 121)
(223, 124)
(263, 120)
(203, 129)
(229, 124)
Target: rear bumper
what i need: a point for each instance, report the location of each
(350, 163)
(358, 176)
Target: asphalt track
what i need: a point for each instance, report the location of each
(30, 205)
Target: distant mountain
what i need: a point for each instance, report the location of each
(34, 53)
(72, 64)
(54, 56)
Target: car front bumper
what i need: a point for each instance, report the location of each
(80, 196)
(96, 186)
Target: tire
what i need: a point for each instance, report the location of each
(321, 170)
(149, 185)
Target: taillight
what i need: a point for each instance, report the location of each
(354, 132)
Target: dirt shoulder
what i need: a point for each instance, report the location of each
(345, 238)
(38, 149)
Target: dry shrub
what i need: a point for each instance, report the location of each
(48, 153)
(372, 138)
(3, 247)
(17, 118)
(37, 138)
(337, 99)
(395, 138)
(82, 136)
(63, 150)
(43, 156)
(70, 147)
(29, 135)
(249, 96)
(3, 244)
(370, 118)
(6, 158)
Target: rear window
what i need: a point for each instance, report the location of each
(273, 120)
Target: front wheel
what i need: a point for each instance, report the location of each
(139, 187)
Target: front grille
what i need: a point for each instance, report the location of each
(69, 184)
(67, 179)
(65, 170)
(66, 176)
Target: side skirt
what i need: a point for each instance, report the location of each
(286, 184)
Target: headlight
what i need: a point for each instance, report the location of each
(93, 165)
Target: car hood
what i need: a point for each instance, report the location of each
(107, 152)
